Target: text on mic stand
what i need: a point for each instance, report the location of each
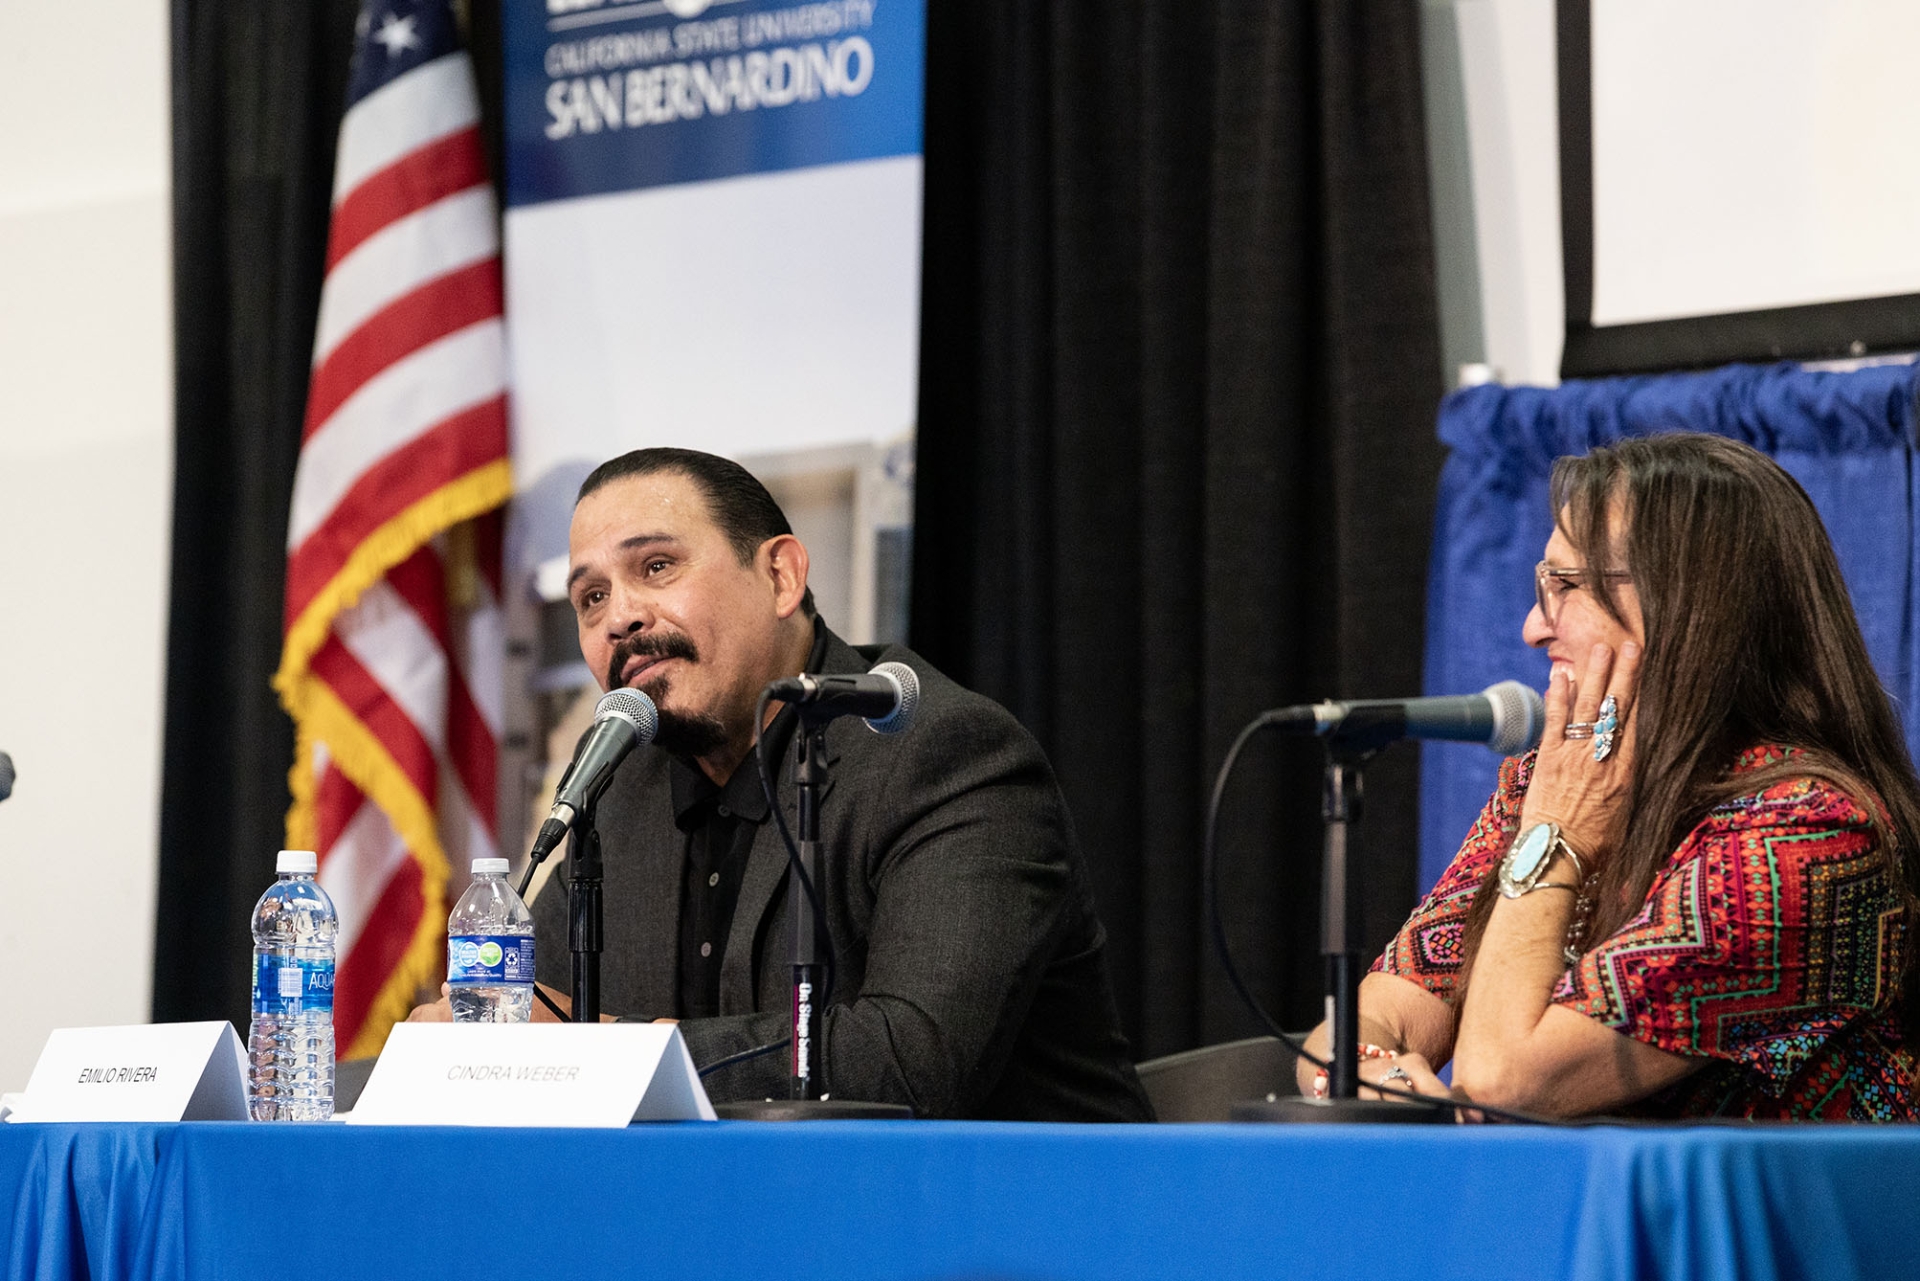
(886, 699)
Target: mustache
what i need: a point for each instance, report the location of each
(648, 645)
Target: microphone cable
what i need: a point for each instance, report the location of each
(547, 1001)
(1210, 889)
(799, 869)
(745, 1055)
(793, 849)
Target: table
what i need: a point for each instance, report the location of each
(930, 1200)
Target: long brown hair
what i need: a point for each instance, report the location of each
(1751, 638)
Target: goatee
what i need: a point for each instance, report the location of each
(685, 735)
(682, 733)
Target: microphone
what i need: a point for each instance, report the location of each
(623, 719)
(1507, 717)
(6, 776)
(885, 697)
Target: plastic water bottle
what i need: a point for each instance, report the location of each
(490, 950)
(290, 1045)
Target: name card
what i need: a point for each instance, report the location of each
(606, 1074)
(148, 1072)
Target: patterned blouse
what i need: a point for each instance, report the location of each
(1769, 942)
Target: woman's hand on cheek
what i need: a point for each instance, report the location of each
(1584, 796)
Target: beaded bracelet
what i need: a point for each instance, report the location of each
(1320, 1085)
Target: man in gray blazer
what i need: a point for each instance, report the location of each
(972, 977)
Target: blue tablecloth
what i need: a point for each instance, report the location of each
(915, 1200)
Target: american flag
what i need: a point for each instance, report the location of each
(391, 659)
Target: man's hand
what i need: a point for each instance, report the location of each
(441, 1011)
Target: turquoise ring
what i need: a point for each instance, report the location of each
(1604, 728)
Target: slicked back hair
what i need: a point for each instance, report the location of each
(739, 503)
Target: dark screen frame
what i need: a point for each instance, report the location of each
(1819, 331)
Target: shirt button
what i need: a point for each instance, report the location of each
(714, 879)
(706, 949)
(725, 812)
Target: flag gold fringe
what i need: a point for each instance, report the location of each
(363, 758)
(479, 491)
(320, 717)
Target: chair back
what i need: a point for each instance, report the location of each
(1204, 1084)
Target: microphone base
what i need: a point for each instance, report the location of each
(1299, 1111)
(811, 1110)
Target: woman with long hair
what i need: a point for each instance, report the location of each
(1698, 897)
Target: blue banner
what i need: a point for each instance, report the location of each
(604, 96)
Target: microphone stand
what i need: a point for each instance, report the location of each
(585, 915)
(809, 958)
(1361, 736)
(809, 1087)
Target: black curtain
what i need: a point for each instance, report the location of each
(259, 88)
(1179, 371)
(258, 91)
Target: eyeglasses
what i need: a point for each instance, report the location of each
(1551, 583)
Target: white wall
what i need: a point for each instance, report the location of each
(1513, 130)
(86, 474)
(1493, 125)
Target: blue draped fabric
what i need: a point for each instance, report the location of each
(210, 1200)
(1847, 437)
(75, 1198)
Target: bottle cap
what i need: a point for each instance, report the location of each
(490, 867)
(298, 861)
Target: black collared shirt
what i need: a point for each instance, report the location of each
(720, 823)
